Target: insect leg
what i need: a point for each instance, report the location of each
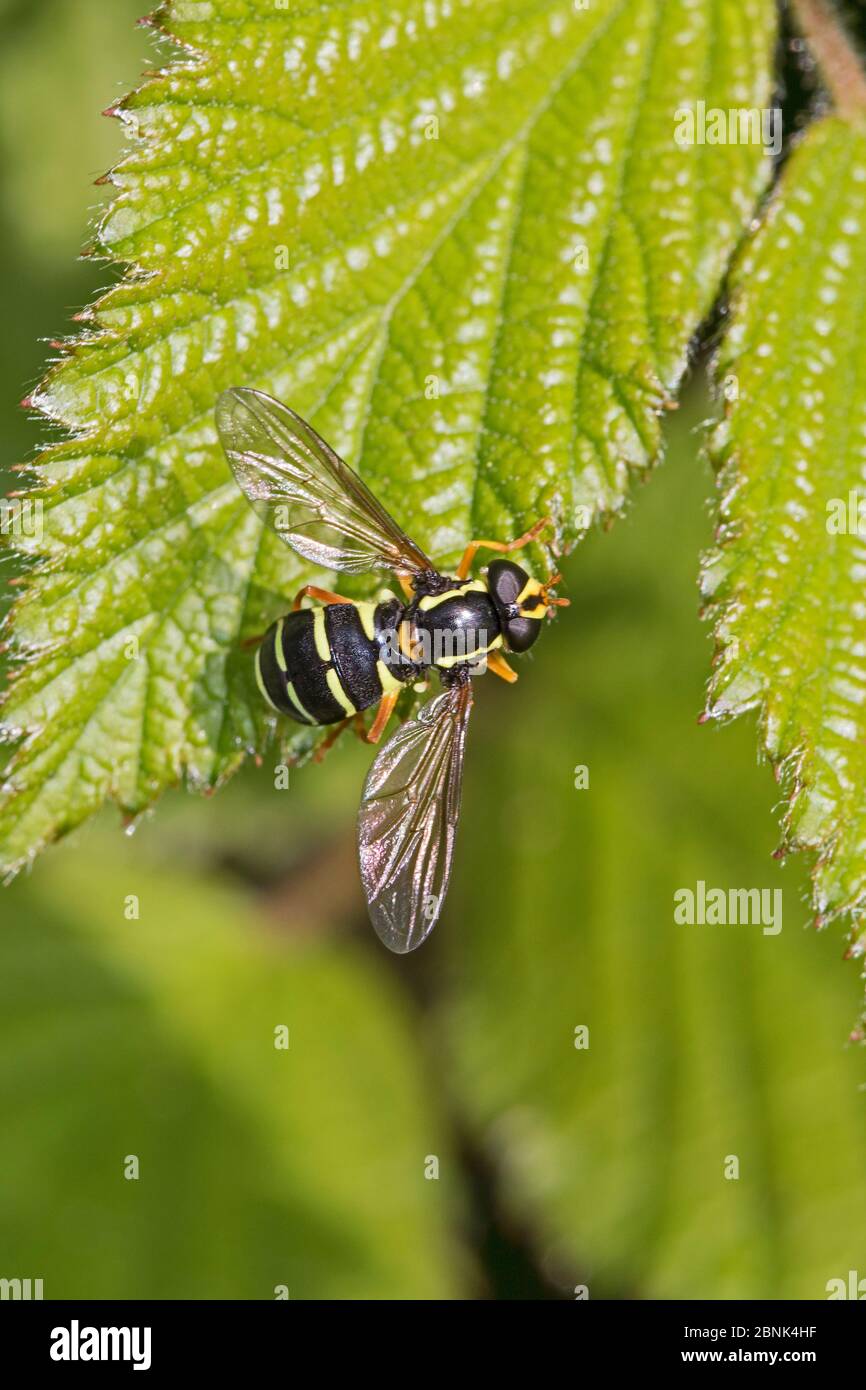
(504, 546)
(313, 591)
(499, 666)
(334, 734)
(383, 714)
(357, 723)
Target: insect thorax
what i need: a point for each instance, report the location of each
(456, 625)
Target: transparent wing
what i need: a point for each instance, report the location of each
(305, 491)
(408, 820)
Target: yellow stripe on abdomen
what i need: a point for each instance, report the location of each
(278, 645)
(367, 615)
(386, 680)
(320, 636)
(260, 682)
(338, 692)
(293, 699)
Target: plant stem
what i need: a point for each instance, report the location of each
(835, 53)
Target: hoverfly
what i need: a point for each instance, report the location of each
(326, 664)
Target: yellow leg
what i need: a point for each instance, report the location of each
(406, 585)
(383, 714)
(313, 591)
(503, 546)
(499, 666)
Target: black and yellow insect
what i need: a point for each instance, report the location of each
(326, 665)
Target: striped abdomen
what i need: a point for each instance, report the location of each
(319, 665)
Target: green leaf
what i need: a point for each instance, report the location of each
(487, 323)
(704, 1042)
(786, 587)
(258, 1166)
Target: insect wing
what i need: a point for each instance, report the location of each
(312, 499)
(409, 812)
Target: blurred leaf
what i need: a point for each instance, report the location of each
(463, 238)
(155, 1037)
(704, 1041)
(260, 825)
(786, 587)
(58, 66)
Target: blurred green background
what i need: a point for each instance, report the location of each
(431, 1131)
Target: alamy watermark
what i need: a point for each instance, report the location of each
(729, 907)
(21, 516)
(437, 647)
(699, 124)
(77, 1343)
(846, 516)
(20, 1289)
(852, 1287)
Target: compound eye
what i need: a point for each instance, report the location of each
(506, 581)
(520, 633)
